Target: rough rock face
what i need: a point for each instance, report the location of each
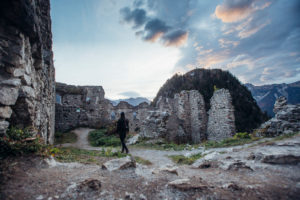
(286, 120)
(26, 67)
(79, 106)
(221, 123)
(154, 125)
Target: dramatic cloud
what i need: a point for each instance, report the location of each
(175, 38)
(237, 10)
(154, 29)
(136, 16)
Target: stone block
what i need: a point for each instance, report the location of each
(5, 112)
(8, 95)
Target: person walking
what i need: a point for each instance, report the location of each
(122, 129)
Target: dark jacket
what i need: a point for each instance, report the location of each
(122, 126)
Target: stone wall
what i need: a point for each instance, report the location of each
(86, 106)
(78, 106)
(285, 121)
(27, 86)
(221, 124)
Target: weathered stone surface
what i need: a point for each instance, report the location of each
(285, 121)
(186, 184)
(11, 82)
(5, 112)
(90, 184)
(3, 127)
(221, 124)
(8, 95)
(133, 140)
(26, 53)
(119, 164)
(281, 159)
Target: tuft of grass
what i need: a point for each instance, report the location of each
(183, 160)
(142, 161)
(100, 138)
(70, 154)
(61, 138)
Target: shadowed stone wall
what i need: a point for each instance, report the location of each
(27, 86)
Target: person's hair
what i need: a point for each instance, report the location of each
(122, 115)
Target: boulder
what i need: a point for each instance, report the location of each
(90, 184)
(119, 164)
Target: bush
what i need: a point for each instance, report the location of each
(20, 141)
(100, 138)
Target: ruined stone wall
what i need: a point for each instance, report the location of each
(221, 124)
(78, 106)
(27, 86)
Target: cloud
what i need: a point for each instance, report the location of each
(176, 38)
(154, 28)
(237, 10)
(130, 94)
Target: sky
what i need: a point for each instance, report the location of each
(131, 47)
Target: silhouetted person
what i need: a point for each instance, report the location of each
(122, 129)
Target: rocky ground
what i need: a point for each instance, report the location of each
(270, 170)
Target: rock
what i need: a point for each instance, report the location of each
(133, 140)
(221, 121)
(26, 79)
(91, 183)
(119, 164)
(236, 166)
(209, 160)
(142, 197)
(285, 121)
(27, 92)
(128, 196)
(5, 112)
(281, 159)
(170, 169)
(40, 197)
(11, 82)
(8, 95)
(3, 127)
(231, 186)
(185, 184)
(16, 72)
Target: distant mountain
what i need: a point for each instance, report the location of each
(266, 95)
(132, 101)
(248, 115)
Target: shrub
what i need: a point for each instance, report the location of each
(20, 141)
(100, 138)
(243, 135)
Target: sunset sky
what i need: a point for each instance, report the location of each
(132, 47)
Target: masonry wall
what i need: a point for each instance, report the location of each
(27, 86)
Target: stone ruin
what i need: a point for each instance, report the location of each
(27, 86)
(182, 119)
(285, 121)
(85, 106)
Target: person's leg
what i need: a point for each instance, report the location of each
(122, 142)
(127, 151)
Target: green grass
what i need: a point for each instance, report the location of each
(183, 160)
(100, 138)
(142, 161)
(164, 145)
(61, 138)
(70, 154)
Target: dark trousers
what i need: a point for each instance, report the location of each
(122, 138)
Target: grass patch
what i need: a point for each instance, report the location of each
(164, 145)
(61, 138)
(183, 160)
(100, 138)
(70, 154)
(237, 139)
(142, 161)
